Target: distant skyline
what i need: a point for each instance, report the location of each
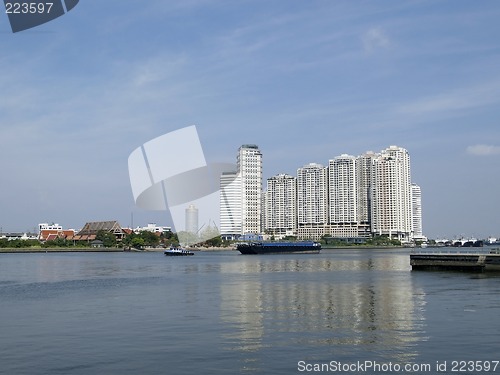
(305, 81)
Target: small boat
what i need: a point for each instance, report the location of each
(177, 252)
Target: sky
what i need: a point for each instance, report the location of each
(304, 80)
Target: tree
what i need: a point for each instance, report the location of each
(108, 239)
(137, 242)
(383, 240)
(167, 235)
(127, 241)
(58, 242)
(213, 242)
(169, 239)
(150, 238)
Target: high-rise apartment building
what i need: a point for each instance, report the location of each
(342, 189)
(391, 205)
(364, 167)
(230, 205)
(342, 195)
(281, 205)
(312, 201)
(312, 194)
(249, 165)
(416, 201)
(241, 195)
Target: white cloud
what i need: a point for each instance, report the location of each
(483, 150)
(464, 98)
(375, 38)
(158, 69)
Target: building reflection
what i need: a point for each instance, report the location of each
(341, 306)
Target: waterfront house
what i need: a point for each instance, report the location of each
(89, 231)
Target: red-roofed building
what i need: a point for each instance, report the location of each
(90, 230)
(127, 231)
(53, 234)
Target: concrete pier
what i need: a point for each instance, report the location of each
(460, 261)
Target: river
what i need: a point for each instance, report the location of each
(340, 311)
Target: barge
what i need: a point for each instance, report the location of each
(302, 247)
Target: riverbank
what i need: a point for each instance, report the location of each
(99, 250)
(60, 250)
(200, 249)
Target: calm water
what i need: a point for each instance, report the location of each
(225, 313)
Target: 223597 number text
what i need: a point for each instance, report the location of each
(474, 366)
(28, 8)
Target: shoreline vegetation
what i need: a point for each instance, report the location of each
(28, 250)
(79, 249)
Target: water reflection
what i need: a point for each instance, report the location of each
(344, 303)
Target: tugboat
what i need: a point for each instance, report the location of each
(177, 252)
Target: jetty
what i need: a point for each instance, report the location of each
(458, 261)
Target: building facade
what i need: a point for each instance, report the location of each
(364, 169)
(342, 193)
(249, 165)
(281, 206)
(230, 205)
(312, 201)
(152, 227)
(416, 200)
(391, 201)
(241, 195)
(312, 195)
(47, 226)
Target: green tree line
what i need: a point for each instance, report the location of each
(134, 240)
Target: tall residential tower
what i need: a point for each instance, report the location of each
(230, 205)
(391, 199)
(312, 201)
(249, 164)
(342, 196)
(416, 202)
(281, 205)
(241, 194)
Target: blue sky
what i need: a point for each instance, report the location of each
(304, 80)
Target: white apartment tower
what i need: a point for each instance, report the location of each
(230, 205)
(364, 167)
(416, 201)
(312, 201)
(249, 165)
(281, 205)
(312, 195)
(342, 196)
(391, 198)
